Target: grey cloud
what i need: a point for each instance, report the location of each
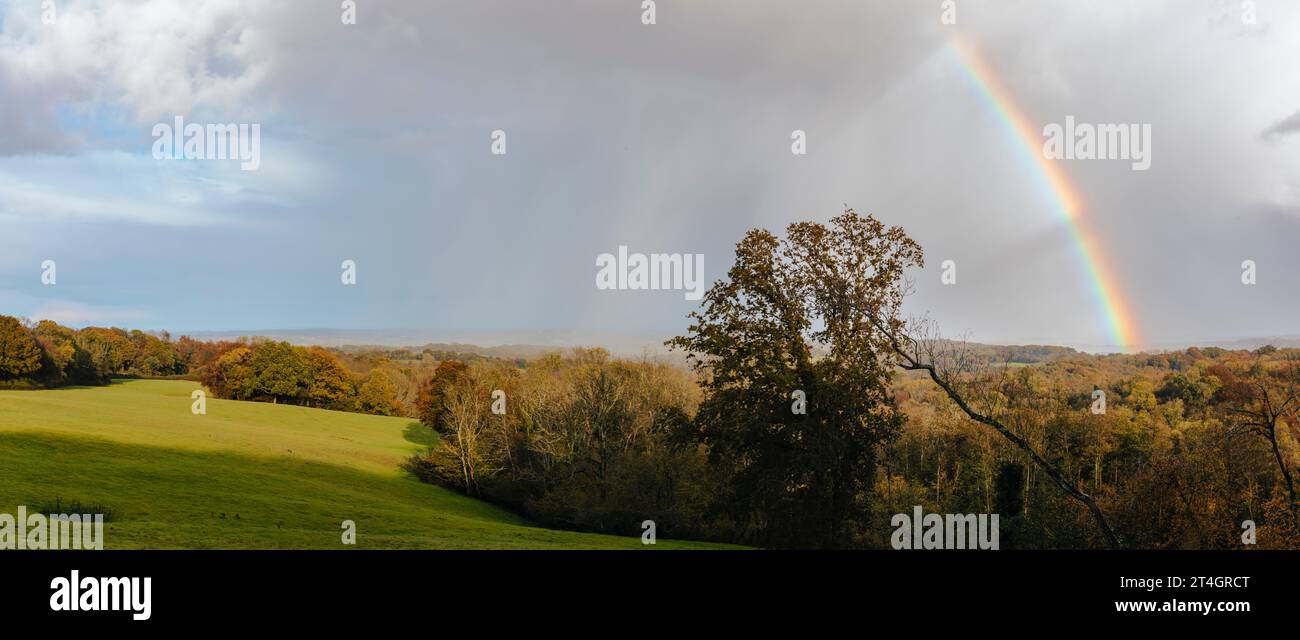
(1284, 127)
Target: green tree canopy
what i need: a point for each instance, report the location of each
(795, 319)
(280, 371)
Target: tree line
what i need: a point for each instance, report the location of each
(45, 354)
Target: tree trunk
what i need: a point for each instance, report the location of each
(1111, 539)
(1281, 464)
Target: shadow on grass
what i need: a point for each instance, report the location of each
(113, 382)
(418, 433)
(176, 498)
(171, 498)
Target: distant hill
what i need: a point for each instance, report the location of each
(496, 344)
(1248, 344)
(637, 344)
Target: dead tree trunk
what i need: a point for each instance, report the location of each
(913, 362)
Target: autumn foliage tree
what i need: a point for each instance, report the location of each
(1264, 401)
(435, 395)
(111, 350)
(66, 362)
(331, 385)
(231, 375)
(279, 372)
(377, 395)
(20, 353)
(59, 342)
(154, 355)
(585, 442)
(792, 323)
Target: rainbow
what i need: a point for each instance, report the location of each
(1066, 202)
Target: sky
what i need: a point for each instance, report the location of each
(672, 137)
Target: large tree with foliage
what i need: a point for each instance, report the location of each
(59, 343)
(331, 385)
(281, 372)
(793, 321)
(155, 355)
(231, 376)
(431, 407)
(111, 350)
(377, 395)
(20, 353)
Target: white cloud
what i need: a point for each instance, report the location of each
(149, 60)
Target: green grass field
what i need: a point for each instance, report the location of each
(245, 476)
